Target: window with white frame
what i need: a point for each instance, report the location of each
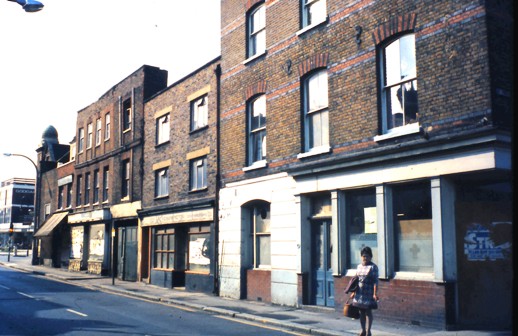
(107, 126)
(81, 144)
(399, 83)
(361, 223)
(87, 188)
(60, 196)
(257, 31)
(412, 216)
(106, 184)
(162, 129)
(313, 12)
(259, 217)
(126, 115)
(316, 114)
(98, 131)
(198, 173)
(199, 113)
(162, 182)
(69, 195)
(257, 130)
(96, 186)
(125, 179)
(89, 135)
(79, 195)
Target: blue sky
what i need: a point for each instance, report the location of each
(57, 61)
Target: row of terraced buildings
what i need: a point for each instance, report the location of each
(323, 127)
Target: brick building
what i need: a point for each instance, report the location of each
(368, 123)
(98, 193)
(180, 173)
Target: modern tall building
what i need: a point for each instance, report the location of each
(17, 211)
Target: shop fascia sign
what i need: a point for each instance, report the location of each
(89, 216)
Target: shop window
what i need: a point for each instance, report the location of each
(361, 222)
(200, 249)
(412, 215)
(164, 249)
(96, 245)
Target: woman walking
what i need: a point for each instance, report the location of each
(366, 296)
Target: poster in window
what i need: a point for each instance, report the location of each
(198, 251)
(96, 242)
(76, 252)
(371, 225)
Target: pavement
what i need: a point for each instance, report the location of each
(307, 319)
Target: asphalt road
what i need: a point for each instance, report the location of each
(33, 305)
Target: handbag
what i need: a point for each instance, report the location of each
(351, 311)
(352, 286)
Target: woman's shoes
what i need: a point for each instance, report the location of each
(362, 333)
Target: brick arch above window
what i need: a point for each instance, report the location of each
(254, 89)
(312, 63)
(394, 26)
(251, 3)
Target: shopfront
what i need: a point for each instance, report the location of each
(181, 249)
(90, 241)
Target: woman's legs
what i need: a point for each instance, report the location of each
(368, 322)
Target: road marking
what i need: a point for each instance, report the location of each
(76, 312)
(27, 295)
(4, 287)
(260, 325)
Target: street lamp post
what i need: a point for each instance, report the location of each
(36, 206)
(30, 6)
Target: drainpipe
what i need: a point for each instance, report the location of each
(217, 71)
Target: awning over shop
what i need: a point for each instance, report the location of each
(50, 224)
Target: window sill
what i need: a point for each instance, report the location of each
(197, 272)
(198, 190)
(124, 199)
(107, 139)
(127, 130)
(256, 165)
(199, 129)
(414, 276)
(262, 268)
(158, 198)
(162, 143)
(312, 26)
(252, 58)
(399, 131)
(315, 151)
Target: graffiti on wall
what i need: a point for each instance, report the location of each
(490, 243)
